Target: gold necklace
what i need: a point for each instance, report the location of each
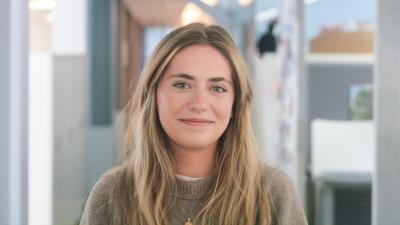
(188, 222)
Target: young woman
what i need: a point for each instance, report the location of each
(191, 153)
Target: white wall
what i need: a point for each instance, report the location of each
(71, 121)
(71, 109)
(342, 146)
(386, 182)
(40, 139)
(266, 103)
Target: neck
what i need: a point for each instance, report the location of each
(194, 162)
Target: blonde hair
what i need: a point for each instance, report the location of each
(237, 194)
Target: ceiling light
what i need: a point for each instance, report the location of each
(210, 2)
(192, 13)
(42, 5)
(245, 2)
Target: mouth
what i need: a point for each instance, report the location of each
(196, 122)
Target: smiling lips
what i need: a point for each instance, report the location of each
(196, 122)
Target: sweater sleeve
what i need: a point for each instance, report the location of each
(286, 207)
(97, 209)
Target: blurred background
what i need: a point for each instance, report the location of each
(326, 109)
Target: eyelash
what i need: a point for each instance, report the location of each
(178, 84)
(216, 88)
(220, 88)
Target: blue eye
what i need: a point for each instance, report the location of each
(181, 85)
(218, 89)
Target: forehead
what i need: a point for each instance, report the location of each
(200, 61)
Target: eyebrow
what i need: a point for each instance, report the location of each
(190, 77)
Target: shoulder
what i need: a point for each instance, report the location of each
(279, 185)
(104, 185)
(97, 208)
(274, 176)
(285, 204)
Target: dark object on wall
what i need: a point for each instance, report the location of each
(267, 42)
(361, 102)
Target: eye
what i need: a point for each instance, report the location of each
(218, 89)
(181, 85)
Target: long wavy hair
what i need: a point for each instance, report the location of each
(237, 194)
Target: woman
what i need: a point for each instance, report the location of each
(192, 157)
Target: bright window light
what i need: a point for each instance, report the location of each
(267, 15)
(41, 5)
(273, 12)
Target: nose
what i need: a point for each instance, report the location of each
(199, 101)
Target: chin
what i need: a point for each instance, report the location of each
(195, 143)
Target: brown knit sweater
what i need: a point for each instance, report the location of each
(285, 205)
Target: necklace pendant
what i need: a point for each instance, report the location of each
(188, 222)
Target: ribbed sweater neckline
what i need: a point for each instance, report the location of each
(193, 189)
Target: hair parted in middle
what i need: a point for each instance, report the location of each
(238, 194)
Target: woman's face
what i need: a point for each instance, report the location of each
(195, 97)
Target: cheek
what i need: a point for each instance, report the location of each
(168, 106)
(223, 113)
(166, 103)
(160, 104)
(224, 108)
(163, 109)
